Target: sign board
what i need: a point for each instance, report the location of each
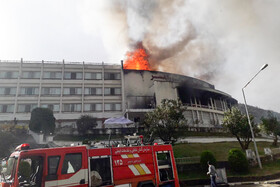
(222, 176)
(250, 154)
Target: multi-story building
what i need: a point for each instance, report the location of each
(102, 91)
(145, 89)
(69, 89)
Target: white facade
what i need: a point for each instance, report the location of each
(102, 91)
(69, 89)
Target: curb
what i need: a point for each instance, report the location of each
(233, 181)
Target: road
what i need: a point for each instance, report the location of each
(194, 139)
(197, 139)
(259, 185)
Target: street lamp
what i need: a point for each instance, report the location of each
(249, 121)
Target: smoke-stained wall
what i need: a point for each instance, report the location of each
(145, 89)
(165, 90)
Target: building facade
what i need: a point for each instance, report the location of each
(205, 105)
(69, 89)
(102, 91)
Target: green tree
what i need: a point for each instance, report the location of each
(271, 125)
(166, 121)
(42, 119)
(237, 124)
(84, 123)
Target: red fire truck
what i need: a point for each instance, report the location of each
(136, 166)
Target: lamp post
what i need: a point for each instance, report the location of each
(249, 121)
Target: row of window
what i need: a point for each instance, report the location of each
(57, 91)
(58, 75)
(88, 107)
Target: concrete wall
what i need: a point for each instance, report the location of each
(164, 90)
(146, 89)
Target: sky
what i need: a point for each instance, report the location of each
(222, 42)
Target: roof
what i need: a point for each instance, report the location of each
(118, 121)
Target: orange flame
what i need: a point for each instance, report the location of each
(137, 60)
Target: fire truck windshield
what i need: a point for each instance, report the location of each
(9, 171)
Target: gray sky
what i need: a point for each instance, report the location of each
(222, 42)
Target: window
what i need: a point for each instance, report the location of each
(9, 108)
(10, 171)
(112, 91)
(165, 166)
(29, 91)
(93, 76)
(72, 91)
(53, 107)
(30, 170)
(26, 107)
(31, 74)
(72, 107)
(112, 107)
(51, 91)
(52, 75)
(112, 76)
(71, 163)
(93, 107)
(100, 169)
(93, 91)
(73, 75)
(53, 162)
(9, 75)
(7, 91)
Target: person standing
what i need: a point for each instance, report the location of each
(213, 174)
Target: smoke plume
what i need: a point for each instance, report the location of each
(170, 37)
(222, 42)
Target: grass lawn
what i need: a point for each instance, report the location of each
(268, 169)
(220, 149)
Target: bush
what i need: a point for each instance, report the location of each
(237, 161)
(205, 157)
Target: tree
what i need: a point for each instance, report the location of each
(237, 124)
(166, 121)
(84, 123)
(271, 125)
(42, 120)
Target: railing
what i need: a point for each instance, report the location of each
(202, 106)
(58, 62)
(10, 61)
(188, 160)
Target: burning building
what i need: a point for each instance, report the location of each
(145, 89)
(103, 91)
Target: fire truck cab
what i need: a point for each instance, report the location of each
(137, 166)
